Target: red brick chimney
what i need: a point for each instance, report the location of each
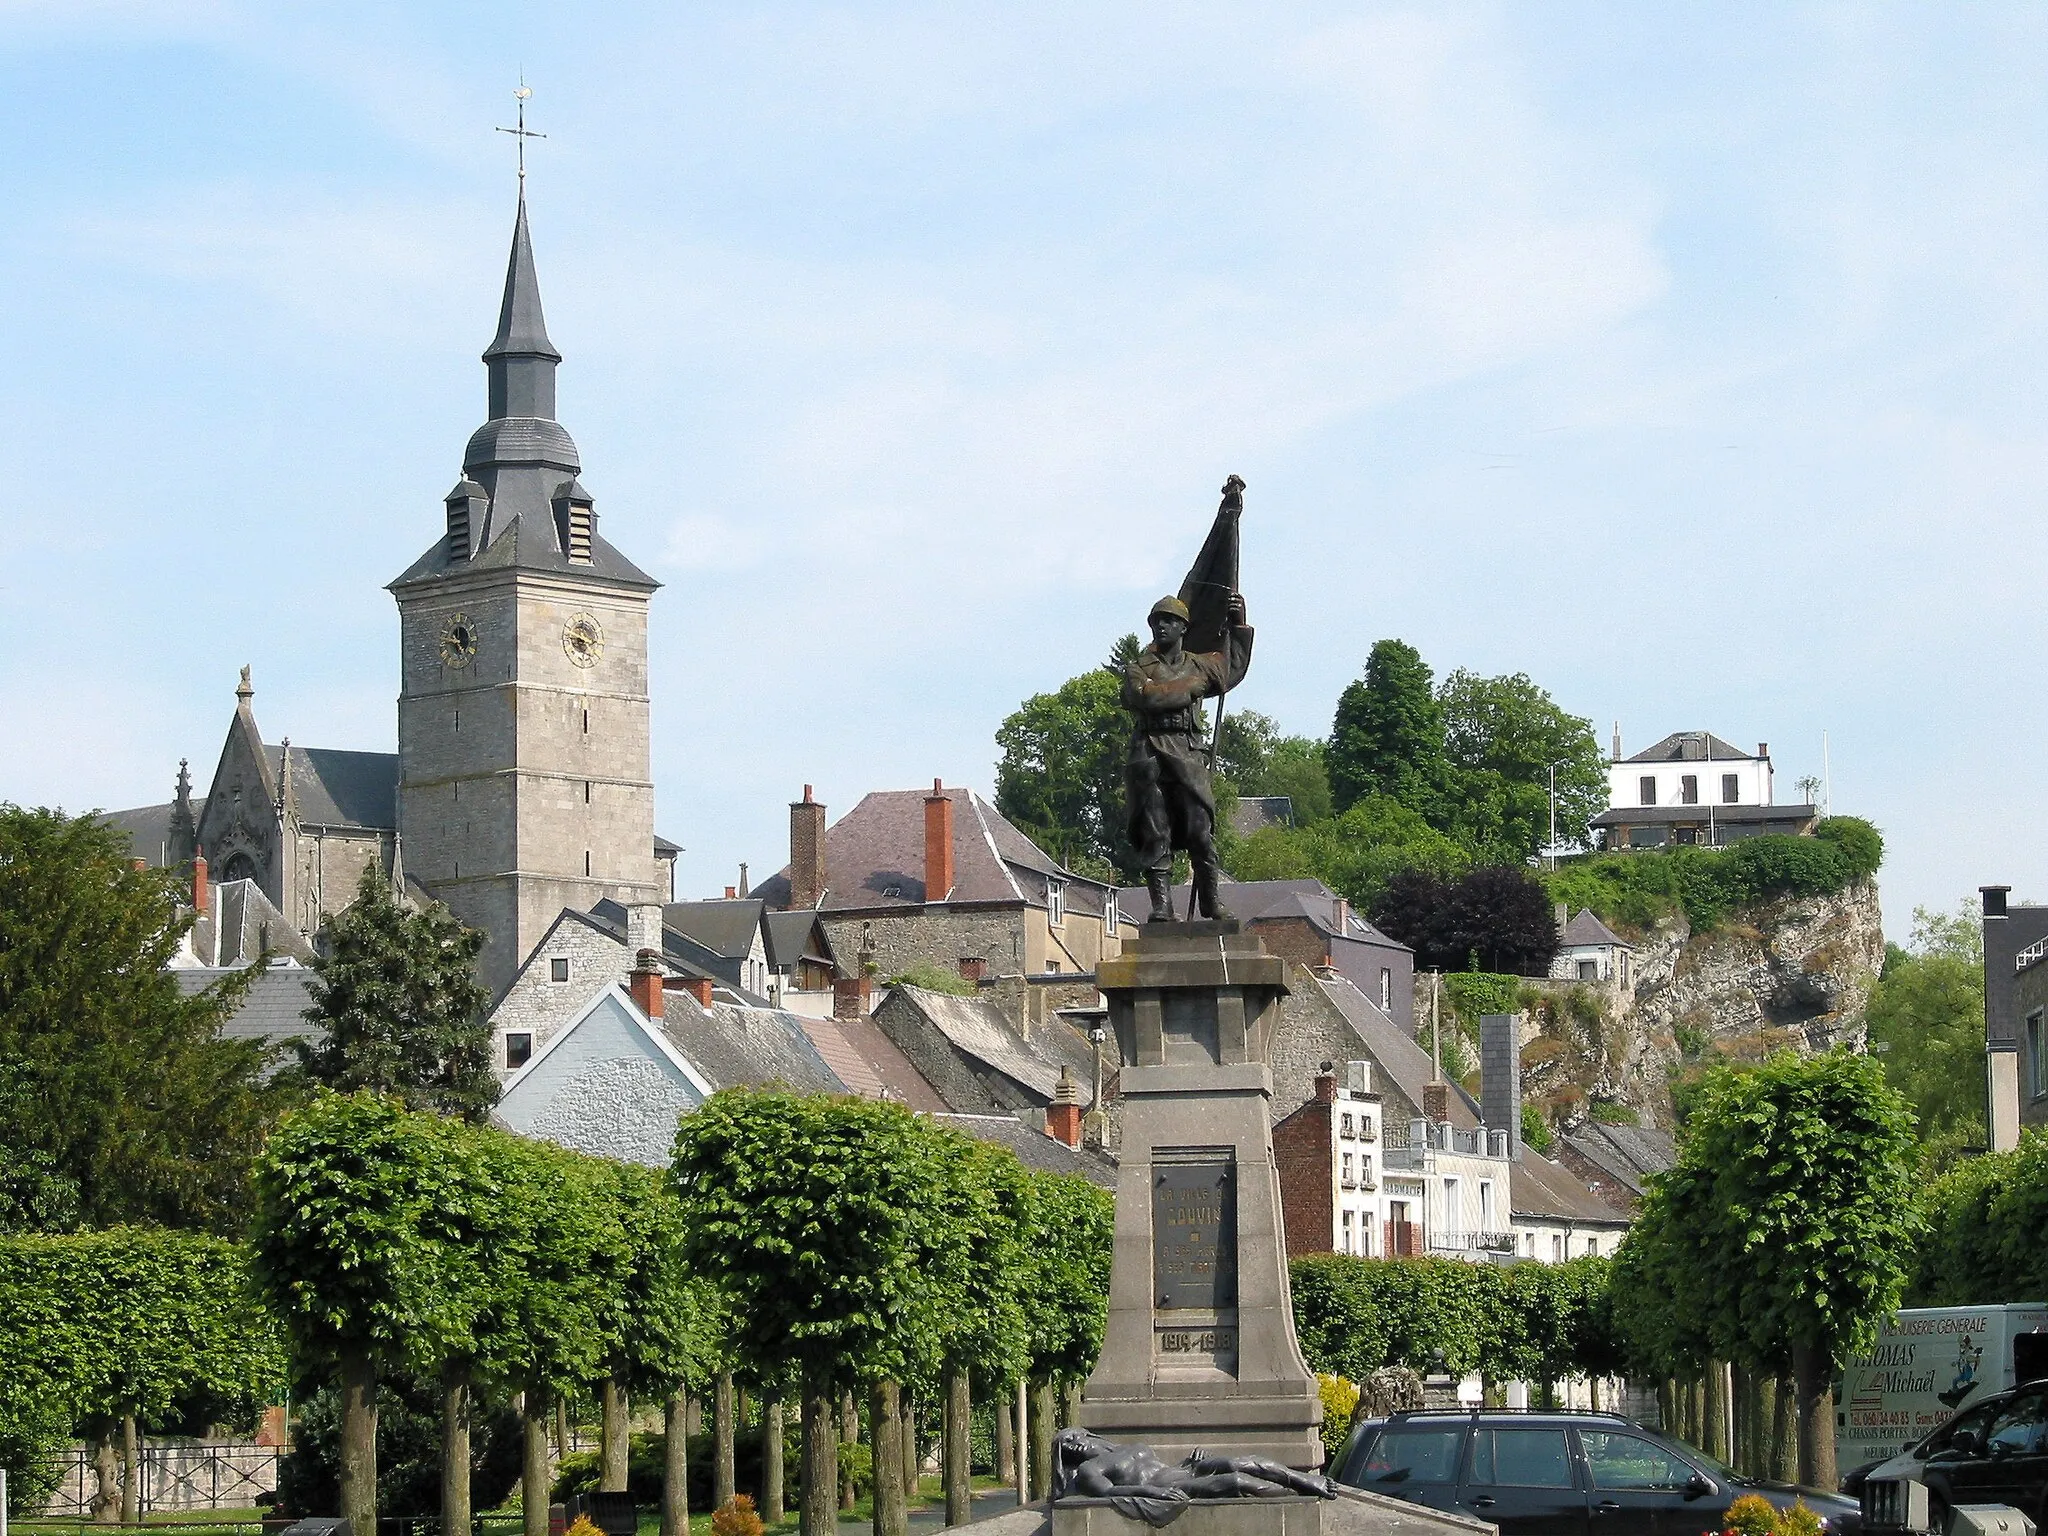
(806, 853)
(645, 984)
(732, 893)
(1326, 1086)
(698, 987)
(938, 843)
(199, 883)
(972, 968)
(850, 997)
(1063, 1114)
(1436, 1102)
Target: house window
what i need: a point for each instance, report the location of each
(1731, 789)
(1689, 789)
(1589, 970)
(2037, 1069)
(1454, 1219)
(1344, 1126)
(1055, 904)
(1349, 1180)
(519, 1048)
(1052, 967)
(558, 970)
(1386, 990)
(1556, 1248)
(1646, 786)
(1486, 1205)
(1347, 1233)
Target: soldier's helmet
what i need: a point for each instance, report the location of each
(1172, 605)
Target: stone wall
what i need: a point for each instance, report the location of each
(935, 935)
(967, 1087)
(1312, 1031)
(537, 1005)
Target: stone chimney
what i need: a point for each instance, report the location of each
(1326, 1084)
(199, 888)
(698, 987)
(643, 926)
(1763, 750)
(1063, 1115)
(1617, 741)
(645, 984)
(743, 881)
(938, 843)
(1436, 1102)
(806, 853)
(1500, 1076)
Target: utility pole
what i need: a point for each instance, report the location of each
(1436, 1033)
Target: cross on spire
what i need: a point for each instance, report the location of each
(522, 133)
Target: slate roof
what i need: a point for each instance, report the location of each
(1588, 929)
(609, 917)
(663, 848)
(274, 1008)
(332, 788)
(787, 936)
(240, 921)
(1730, 815)
(978, 1029)
(1403, 1061)
(1264, 900)
(1691, 747)
(739, 1047)
(1629, 1153)
(1255, 813)
(148, 828)
(874, 857)
(1035, 1149)
(899, 1078)
(725, 928)
(1539, 1188)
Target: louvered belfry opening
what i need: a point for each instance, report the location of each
(458, 530)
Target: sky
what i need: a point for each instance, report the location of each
(1688, 359)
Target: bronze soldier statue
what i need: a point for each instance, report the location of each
(1166, 775)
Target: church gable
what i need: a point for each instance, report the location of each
(607, 1084)
(238, 827)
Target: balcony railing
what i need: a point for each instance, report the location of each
(1472, 1242)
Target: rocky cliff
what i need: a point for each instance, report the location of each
(1794, 972)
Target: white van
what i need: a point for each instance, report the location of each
(1928, 1363)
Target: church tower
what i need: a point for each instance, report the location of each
(525, 780)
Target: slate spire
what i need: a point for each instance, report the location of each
(520, 358)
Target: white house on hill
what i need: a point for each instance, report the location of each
(1693, 787)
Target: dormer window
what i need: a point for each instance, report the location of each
(575, 523)
(1055, 902)
(578, 539)
(458, 529)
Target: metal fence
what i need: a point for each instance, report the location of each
(175, 1475)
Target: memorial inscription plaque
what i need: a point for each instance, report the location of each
(1194, 1236)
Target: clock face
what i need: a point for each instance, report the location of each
(583, 640)
(458, 641)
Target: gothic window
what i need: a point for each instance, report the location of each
(238, 867)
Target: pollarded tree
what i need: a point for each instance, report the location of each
(815, 1217)
(362, 1246)
(116, 1086)
(396, 993)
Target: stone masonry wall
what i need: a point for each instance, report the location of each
(540, 1006)
(1312, 1031)
(938, 936)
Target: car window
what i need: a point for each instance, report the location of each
(2016, 1427)
(1521, 1458)
(1630, 1461)
(1977, 1421)
(1414, 1454)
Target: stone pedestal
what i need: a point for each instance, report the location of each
(1200, 1350)
(1201, 1517)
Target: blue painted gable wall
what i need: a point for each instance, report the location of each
(605, 1089)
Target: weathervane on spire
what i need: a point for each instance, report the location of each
(522, 133)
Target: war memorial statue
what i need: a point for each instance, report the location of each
(1201, 648)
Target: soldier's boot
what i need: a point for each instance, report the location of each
(1210, 904)
(1160, 883)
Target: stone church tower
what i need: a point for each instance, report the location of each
(525, 782)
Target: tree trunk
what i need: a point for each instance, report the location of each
(722, 1431)
(614, 1435)
(106, 1473)
(455, 1512)
(1816, 1416)
(959, 1432)
(534, 1482)
(771, 1460)
(1784, 1431)
(1006, 1443)
(1593, 1393)
(131, 1471)
(1716, 1442)
(561, 1421)
(675, 1465)
(849, 1433)
(885, 1415)
(359, 1443)
(1023, 1442)
(820, 1515)
(912, 1459)
(1041, 1438)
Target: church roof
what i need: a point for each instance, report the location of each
(522, 330)
(149, 831)
(332, 788)
(528, 544)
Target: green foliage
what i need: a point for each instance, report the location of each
(362, 1214)
(1608, 1112)
(1498, 917)
(928, 976)
(1536, 1130)
(1984, 1220)
(1255, 759)
(33, 1429)
(814, 1216)
(1340, 1402)
(1926, 1023)
(1474, 994)
(1787, 1221)
(1501, 736)
(1060, 777)
(1357, 854)
(1066, 1289)
(987, 1198)
(408, 1451)
(857, 1466)
(396, 992)
(1388, 736)
(115, 1082)
(1638, 889)
(34, 1196)
(1752, 1515)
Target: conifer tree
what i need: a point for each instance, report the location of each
(396, 992)
(1388, 737)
